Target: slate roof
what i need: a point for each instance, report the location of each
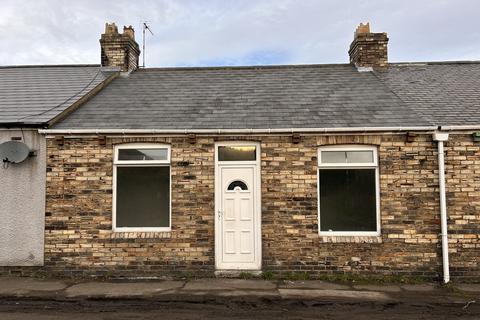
(444, 93)
(33, 95)
(309, 96)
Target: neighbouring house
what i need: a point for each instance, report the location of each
(33, 97)
(369, 168)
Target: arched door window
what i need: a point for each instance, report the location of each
(237, 183)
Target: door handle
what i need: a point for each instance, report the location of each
(219, 214)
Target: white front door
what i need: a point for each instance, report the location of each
(238, 217)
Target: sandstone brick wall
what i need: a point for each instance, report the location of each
(409, 211)
(79, 240)
(463, 204)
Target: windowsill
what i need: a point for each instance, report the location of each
(350, 239)
(141, 235)
(145, 229)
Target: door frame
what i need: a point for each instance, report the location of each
(257, 203)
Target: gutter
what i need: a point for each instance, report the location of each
(441, 137)
(20, 124)
(467, 127)
(253, 131)
(232, 131)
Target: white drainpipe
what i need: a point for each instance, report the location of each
(440, 137)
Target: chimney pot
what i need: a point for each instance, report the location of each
(128, 31)
(111, 28)
(362, 29)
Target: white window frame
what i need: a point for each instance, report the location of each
(370, 165)
(238, 144)
(140, 163)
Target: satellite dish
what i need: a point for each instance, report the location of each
(13, 151)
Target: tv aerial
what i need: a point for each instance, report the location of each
(145, 27)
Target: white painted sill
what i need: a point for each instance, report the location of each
(350, 239)
(135, 229)
(141, 235)
(117, 234)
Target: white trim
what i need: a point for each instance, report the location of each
(140, 146)
(465, 127)
(148, 163)
(238, 143)
(347, 147)
(230, 131)
(440, 136)
(372, 165)
(142, 229)
(258, 205)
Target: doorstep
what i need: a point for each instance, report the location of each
(237, 273)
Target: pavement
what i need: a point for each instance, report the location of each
(218, 289)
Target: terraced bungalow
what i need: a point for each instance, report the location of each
(367, 168)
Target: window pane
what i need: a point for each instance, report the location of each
(347, 200)
(237, 153)
(143, 197)
(347, 156)
(359, 156)
(333, 157)
(143, 154)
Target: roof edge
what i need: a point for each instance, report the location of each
(419, 63)
(249, 67)
(49, 66)
(230, 131)
(272, 66)
(19, 124)
(308, 65)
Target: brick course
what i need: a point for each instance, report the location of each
(462, 176)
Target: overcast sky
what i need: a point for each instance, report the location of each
(248, 32)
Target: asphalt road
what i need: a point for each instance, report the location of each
(116, 310)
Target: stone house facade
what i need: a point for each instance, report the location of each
(319, 170)
(79, 239)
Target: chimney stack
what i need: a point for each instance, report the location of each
(369, 50)
(119, 49)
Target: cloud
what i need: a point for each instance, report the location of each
(238, 32)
